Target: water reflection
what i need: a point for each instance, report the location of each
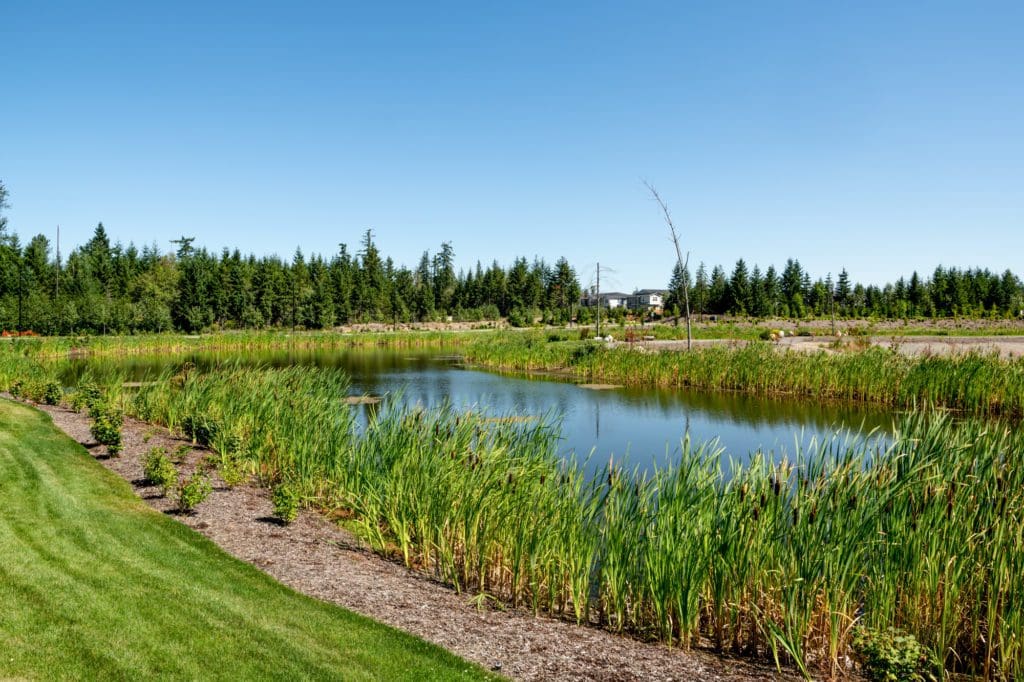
(645, 425)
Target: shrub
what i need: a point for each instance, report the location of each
(17, 388)
(87, 395)
(893, 656)
(106, 426)
(194, 490)
(159, 470)
(286, 502)
(52, 393)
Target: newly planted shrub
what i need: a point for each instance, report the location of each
(286, 502)
(194, 490)
(106, 426)
(52, 393)
(159, 470)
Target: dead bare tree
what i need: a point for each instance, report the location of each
(683, 264)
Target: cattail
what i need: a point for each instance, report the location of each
(743, 492)
(510, 478)
(812, 515)
(757, 512)
(796, 515)
(542, 479)
(852, 502)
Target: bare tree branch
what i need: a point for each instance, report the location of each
(683, 264)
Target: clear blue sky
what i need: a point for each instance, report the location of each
(883, 137)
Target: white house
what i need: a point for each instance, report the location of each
(610, 299)
(648, 300)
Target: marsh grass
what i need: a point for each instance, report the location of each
(977, 383)
(781, 557)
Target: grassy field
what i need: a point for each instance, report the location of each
(95, 585)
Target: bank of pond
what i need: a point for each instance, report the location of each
(801, 557)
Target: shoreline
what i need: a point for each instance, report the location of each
(323, 560)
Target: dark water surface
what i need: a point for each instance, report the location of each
(645, 424)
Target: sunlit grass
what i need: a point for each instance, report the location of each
(776, 557)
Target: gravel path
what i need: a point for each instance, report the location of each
(316, 557)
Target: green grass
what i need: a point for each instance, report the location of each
(976, 383)
(95, 585)
(776, 558)
(786, 559)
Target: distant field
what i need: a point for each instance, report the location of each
(96, 585)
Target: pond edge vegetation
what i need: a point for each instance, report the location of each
(796, 560)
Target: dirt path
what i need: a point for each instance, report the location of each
(1007, 347)
(322, 560)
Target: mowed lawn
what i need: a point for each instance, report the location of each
(94, 584)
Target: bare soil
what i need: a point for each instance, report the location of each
(1008, 347)
(321, 559)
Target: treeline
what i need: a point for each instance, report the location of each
(110, 288)
(948, 292)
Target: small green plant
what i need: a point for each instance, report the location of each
(286, 502)
(52, 393)
(193, 491)
(106, 426)
(159, 470)
(893, 656)
(232, 471)
(181, 453)
(87, 395)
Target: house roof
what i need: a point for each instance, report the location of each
(651, 291)
(614, 294)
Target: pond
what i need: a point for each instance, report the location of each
(642, 425)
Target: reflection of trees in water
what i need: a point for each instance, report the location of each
(745, 410)
(423, 377)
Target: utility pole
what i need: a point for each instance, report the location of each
(599, 299)
(56, 286)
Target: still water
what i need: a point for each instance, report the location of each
(644, 426)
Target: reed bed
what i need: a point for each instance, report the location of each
(976, 383)
(243, 341)
(779, 557)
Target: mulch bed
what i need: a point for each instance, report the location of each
(316, 557)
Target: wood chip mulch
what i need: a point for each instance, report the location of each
(316, 557)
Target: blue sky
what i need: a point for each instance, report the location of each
(865, 135)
